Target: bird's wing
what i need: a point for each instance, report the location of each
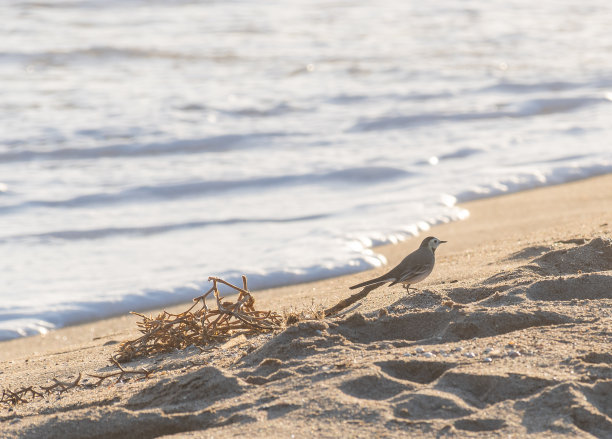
(414, 266)
(414, 272)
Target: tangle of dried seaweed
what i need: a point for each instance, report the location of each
(199, 326)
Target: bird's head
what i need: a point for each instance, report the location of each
(432, 243)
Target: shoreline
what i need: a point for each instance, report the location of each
(480, 229)
(71, 321)
(509, 336)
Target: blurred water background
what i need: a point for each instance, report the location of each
(145, 145)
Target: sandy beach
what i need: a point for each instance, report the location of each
(510, 336)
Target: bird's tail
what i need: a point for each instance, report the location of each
(378, 280)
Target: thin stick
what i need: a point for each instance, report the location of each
(344, 303)
(221, 281)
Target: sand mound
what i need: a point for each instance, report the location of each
(591, 257)
(582, 272)
(523, 352)
(207, 384)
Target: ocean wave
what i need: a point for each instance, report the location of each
(549, 161)
(350, 99)
(459, 153)
(531, 180)
(109, 53)
(108, 232)
(545, 86)
(360, 175)
(535, 87)
(274, 111)
(222, 143)
(534, 107)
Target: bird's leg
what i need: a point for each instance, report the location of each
(407, 286)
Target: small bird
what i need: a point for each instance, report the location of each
(414, 268)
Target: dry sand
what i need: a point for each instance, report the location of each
(510, 336)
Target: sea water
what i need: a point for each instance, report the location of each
(146, 145)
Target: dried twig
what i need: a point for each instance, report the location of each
(120, 374)
(61, 386)
(344, 303)
(28, 394)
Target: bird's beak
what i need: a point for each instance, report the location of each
(442, 242)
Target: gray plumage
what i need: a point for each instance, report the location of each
(414, 268)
